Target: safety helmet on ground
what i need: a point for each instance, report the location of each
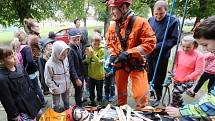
(115, 3)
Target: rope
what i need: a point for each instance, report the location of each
(170, 74)
(164, 40)
(152, 82)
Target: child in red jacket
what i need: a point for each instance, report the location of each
(188, 67)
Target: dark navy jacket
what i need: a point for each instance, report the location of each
(16, 93)
(77, 69)
(159, 28)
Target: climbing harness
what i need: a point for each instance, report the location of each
(123, 40)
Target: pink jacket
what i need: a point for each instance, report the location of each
(210, 63)
(189, 66)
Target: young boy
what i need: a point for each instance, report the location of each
(205, 108)
(46, 50)
(95, 60)
(57, 75)
(109, 81)
(76, 65)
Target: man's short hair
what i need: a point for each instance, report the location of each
(52, 35)
(98, 31)
(206, 29)
(160, 4)
(75, 21)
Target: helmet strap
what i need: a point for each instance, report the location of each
(124, 15)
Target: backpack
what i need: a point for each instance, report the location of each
(19, 55)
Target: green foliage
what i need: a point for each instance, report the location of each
(196, 8)
(72, 8)
(14, 11)
(100, 9)
(141, 8)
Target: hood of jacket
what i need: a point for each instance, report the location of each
(57, 48)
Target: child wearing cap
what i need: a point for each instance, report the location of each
(76, 65)
(46, 49)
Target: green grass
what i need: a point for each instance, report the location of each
(187, 29)
(6, 37)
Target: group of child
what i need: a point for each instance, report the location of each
(65, 64)
(58, 65)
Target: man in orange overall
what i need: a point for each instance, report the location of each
(129, 40)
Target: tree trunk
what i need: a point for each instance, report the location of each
(197, 21)
(22, 9)
(86, 12)
(151, 5)
(85, 21)
(202, 8)
(106, 21)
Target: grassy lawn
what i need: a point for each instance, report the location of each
(6, 37)
(187, 29)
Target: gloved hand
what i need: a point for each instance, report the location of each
(111, 61)
(122, 57)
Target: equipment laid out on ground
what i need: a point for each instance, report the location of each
(108, 113)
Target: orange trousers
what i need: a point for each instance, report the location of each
(140, 86)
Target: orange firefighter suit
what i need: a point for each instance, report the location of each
(141, 41)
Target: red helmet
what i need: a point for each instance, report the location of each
(115, 3)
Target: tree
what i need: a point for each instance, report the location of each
(141, 7)
(14, 11)
(101, 12)
(196, 8)
(101, 8)
(72, 8)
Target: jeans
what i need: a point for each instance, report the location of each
(109, 86)
(204, 77)
(56, 100)
(178, 90)
(99, 88)
(78, 93)
(160, 75)
(37, 89)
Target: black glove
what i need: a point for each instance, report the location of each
(122, 57)
(112, 59)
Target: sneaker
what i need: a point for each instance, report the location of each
(92, 103)
(99, 103)
(46, 93)
(156, 103)
(105, 98)
(190, 93)
(44, 103)
(85, 99)
(173, 105)
(111, 99)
